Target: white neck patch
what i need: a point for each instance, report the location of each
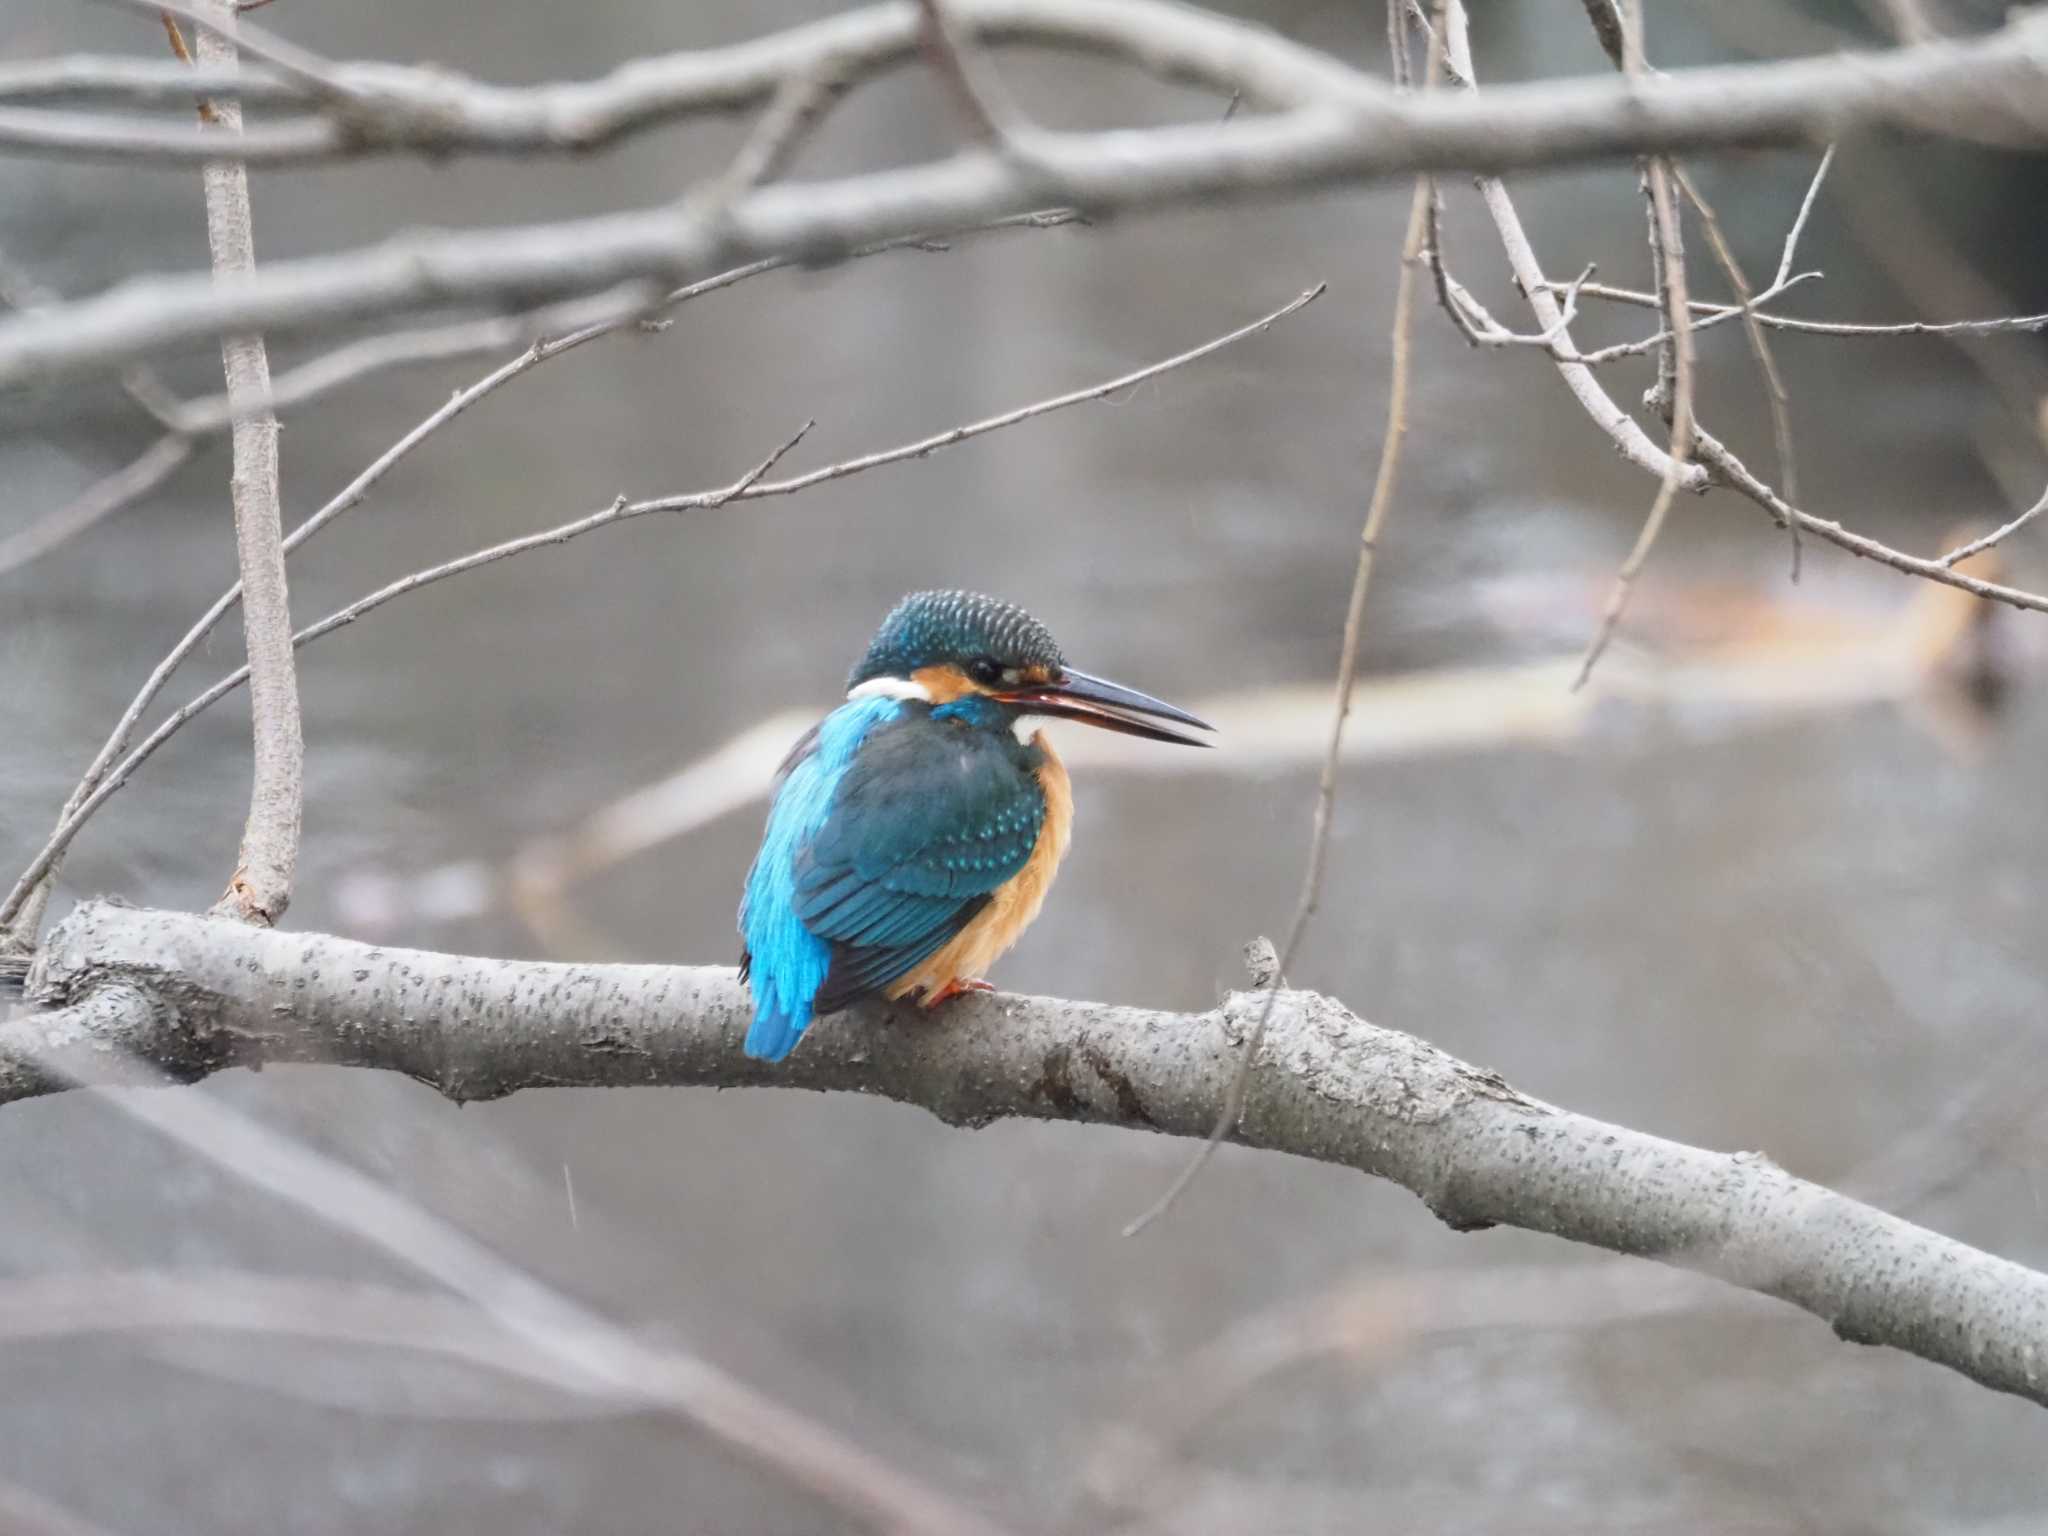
(891, 688)
(1027, 726)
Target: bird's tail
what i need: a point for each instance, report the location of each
(776, 1030)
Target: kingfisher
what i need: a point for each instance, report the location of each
(914, 831)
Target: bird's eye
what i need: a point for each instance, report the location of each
(985, 670)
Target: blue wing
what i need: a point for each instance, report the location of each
(783, 961)
(929, 821)
(883, 843)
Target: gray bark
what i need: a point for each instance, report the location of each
(188, 996)
(261, 887)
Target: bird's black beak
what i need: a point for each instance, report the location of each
(1097, 701)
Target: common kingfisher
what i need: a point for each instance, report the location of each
(915, 830)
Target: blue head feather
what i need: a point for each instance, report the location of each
(931, 627)
(788, 961)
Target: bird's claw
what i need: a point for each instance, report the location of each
(959, 986)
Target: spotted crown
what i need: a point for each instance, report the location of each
(927, 628)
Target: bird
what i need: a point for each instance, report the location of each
(914, 831)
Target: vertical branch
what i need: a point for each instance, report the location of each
(1347, 661)
(261, 887)
(1673, 392)
(1780, 398)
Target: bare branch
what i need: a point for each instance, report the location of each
(261, 887)
(1717, 314)
(1997, 536)
(1774, 382)
(194, 996)
(1677, 372)
(99, 501)
(1730, 471)
(1791, 251)
(1980, 86)
(1348, 128)
(1633, 443)
(106, 780)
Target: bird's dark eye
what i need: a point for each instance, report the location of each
(985, 670)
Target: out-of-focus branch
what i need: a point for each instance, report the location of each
(97, 502)
(192, 996)
(976, 92)
(1978, 85)
(261, 887)
(560, 1339)
(1341, 127)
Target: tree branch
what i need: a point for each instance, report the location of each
(1630, 440)
(192, 996)
(1984, 86)
(1348, 129)
(261, 887)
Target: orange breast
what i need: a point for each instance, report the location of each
(1014, 905)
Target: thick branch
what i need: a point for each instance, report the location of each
(1987, 86)
(261, 887)
(192, 996)
(1343, 128)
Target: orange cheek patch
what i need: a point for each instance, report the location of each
(944, 682)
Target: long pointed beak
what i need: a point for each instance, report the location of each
(1097, 701)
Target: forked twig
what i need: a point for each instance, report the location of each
(1774, 382)
(1681, 379)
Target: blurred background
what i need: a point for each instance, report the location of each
(1774, 883)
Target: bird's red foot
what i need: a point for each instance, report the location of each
(958, 987)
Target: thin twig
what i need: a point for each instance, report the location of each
(1707, 312)
(1997, 536)
(1728, 470)
(1774, 381)
(1347, 672)
(1791, 251)
(1670, 261)
(1633, 443)
(261, 886)
(369, 355)
(1718, 316)
(106, 780)
(1481, 329)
